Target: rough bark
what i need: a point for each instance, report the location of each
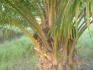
(63, 59)
(46, 63)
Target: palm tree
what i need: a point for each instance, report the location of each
(56, 24)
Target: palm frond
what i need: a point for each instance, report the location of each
(30, 18)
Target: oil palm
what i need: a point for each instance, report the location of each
(57, 26)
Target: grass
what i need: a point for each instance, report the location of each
(17, 55)
(85, 49)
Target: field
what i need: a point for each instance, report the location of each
(18, 55)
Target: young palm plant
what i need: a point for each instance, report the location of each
(56, 24)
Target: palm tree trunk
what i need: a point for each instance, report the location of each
(46, 62)
(63, 61)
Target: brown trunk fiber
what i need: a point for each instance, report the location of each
(47, 63)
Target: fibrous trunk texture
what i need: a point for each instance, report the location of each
(63, 62)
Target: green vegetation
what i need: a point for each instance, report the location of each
(18, 54)
(85, 49)
(54, 27)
